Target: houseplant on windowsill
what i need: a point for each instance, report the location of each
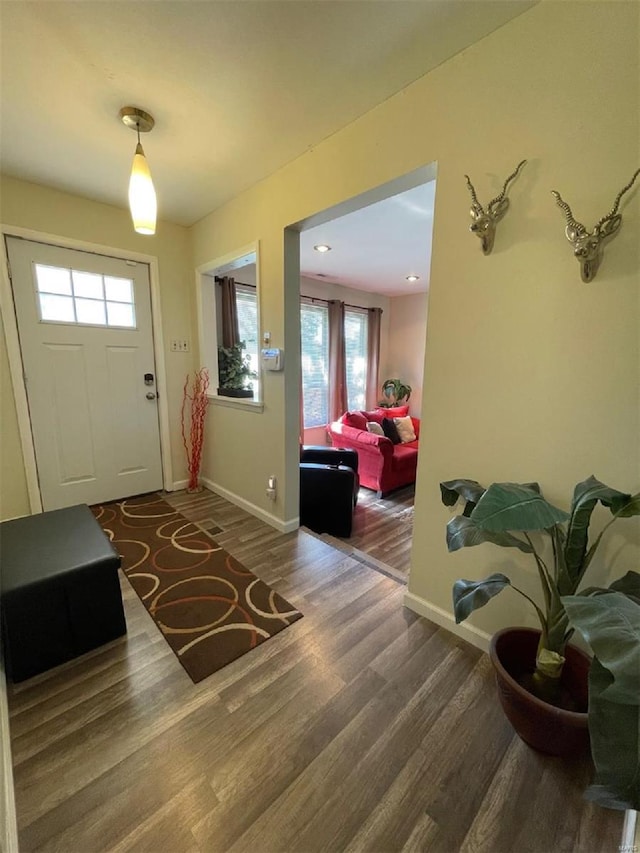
(394, 392)
(609, 619)
(234, 371)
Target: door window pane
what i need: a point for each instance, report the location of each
(58, 309)
(314, 331)
(118, 289)
(87, 284)
(53, 279)
(90, 311)
(119, 314)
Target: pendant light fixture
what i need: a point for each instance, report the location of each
(142, 196)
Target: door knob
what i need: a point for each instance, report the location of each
(150, 395)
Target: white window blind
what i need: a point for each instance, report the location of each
(247, 308)
(355, 340)
(314, 331)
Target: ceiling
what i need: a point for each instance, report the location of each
(377, 247)
(238, 88)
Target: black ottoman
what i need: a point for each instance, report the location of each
(59, 590)
(326, 498)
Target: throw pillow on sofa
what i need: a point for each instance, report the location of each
(375, 428)
(394, 412)
(405, 429)
(375, 416)
(354, 419)
(391, 430)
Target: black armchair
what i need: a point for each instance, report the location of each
(328, 489)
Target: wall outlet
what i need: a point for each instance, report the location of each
(181, 345)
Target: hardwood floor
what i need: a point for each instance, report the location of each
(361, 727)
(383, 528)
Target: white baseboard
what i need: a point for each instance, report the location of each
(630, 833)
(289, 526)
(282, 526)
(441, 617)
(8, 823)
(178, 485)
(13, 517)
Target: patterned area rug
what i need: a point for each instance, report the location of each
(210, 609)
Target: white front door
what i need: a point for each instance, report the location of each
(86, 338)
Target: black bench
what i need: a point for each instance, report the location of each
(59, 589)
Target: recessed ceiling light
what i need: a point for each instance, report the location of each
(413, 278)
(322, 248)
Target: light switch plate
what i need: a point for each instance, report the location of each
(180, 345)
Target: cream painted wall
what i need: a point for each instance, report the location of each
(49, 211)
(363, 299)
(14, 499)
(529, 373)
(407, 331)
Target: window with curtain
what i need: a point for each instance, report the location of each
(355, 341)
(314, 332)
(247, 308)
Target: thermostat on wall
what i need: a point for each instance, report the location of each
(272, 359)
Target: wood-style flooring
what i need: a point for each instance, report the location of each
(362, 727)
(383, 528)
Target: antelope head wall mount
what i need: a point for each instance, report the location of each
(588, 245)
(485, 221)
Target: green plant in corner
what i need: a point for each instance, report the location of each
(394, 392)
(506, 514)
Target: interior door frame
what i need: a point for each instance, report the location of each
(14, 351)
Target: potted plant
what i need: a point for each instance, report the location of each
(535, 669)
(394, 392)
(234, 371)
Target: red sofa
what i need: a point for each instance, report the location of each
(382, 465)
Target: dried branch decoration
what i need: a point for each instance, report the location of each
(587, 245)
(485, 221)
(196, 404)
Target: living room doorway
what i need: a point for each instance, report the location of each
(371, 251)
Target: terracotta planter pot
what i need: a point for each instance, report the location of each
(543, 726)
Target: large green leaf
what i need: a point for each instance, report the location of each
(626, 506)
(585, 496)
(463, 533)
(470, 595)
(614, 731)
(564, 583)
(629, 584)
(469, 490)
(610, 623)
(515, 506)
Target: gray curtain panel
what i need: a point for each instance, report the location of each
(337, 361)
(373, 356)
